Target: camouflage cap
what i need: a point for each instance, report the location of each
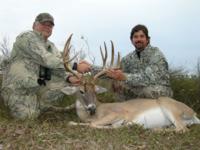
(44, 17)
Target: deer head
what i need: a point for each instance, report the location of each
(87, 89)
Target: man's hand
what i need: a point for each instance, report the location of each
(74, 79)
(116, 74)
(83, 67)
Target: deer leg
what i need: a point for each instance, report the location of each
(77, 123)
(180, 126)
(176, 120)
(46, 108)
(72, 123)
(109, 121)
(174, 115)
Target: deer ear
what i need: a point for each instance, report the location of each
(100, 89)
(70, 90)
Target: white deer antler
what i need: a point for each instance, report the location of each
(66, 58)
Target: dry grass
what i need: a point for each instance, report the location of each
(59, 135)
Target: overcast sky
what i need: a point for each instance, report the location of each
(173, 24)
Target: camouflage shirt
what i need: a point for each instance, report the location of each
(30, 51)
(147, 69)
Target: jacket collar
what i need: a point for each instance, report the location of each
(146, 48)
(39, 34)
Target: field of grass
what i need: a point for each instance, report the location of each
(51, 131)
(58, 135)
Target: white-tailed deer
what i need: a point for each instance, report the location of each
(150, 113)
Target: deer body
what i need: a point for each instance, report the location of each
(150, 113)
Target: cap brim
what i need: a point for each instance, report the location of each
(47, 20)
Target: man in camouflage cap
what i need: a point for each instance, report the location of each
(146, 68)
(45, 17)
(35, 73)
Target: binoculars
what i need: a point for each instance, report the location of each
(44, 74)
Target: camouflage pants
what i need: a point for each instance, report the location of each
(27, 104)
(124, 92)
(147, 92)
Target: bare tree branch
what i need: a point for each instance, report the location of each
(91, 57)
(4, 48)
(198, 68)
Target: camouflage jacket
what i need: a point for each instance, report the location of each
(146, 73)
(30, 51)
(149, 70)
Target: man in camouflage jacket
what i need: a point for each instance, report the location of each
(146, 68)
(35, 73)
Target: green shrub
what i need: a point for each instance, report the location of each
(186, 88)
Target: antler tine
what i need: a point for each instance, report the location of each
(113, 52)
(106, 54)
(104, 58)
(67, 48)
(66, 59)
(118, 60)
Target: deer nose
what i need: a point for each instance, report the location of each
(92, 109)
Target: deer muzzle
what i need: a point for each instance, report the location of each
(92, 109)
